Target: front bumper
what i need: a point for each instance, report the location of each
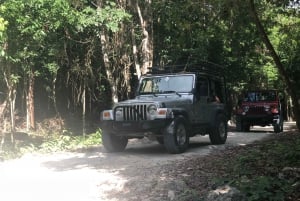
(259, 119)
(135, 128)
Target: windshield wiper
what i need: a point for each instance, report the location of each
(148, 93)
(167, 92)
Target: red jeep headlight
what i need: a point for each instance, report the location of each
(267, 108)
(246, 108)
(274, 109)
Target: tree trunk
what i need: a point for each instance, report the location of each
(83, 101)
(146, 23)
(279, 65)
(135, 53)
(108, 68)
(30, 102)
(3, 108)
(54, 94)
(11, 86)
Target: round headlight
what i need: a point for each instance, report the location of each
(267, 108)
(246, 108)
(152, 109)
(119, 111)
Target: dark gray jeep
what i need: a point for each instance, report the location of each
(170, 106)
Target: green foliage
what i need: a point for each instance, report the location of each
(3, 25)
(259, 188)
(256, 170)
(265, 188)
(69, 142)
(185, 32)
(58, 42)
(14, 79)
(38, 29)
(110, 16)
(188, 195)
(218, 31)
(63, 142)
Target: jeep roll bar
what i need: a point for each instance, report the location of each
(201, 67)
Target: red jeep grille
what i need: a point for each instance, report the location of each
(256, 110)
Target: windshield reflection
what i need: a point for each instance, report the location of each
(166, 84)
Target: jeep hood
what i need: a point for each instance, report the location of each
(162, 100)
(260, 103)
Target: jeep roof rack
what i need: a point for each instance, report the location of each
(202, 67)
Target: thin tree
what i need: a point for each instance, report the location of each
(276, 58)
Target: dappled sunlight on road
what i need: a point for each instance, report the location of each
(27, 179)
(244, 138)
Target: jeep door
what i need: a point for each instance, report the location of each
(216, 98)
(201, 100)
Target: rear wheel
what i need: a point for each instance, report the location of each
(176, 139)
(113, 143)
(218, 133)
(242, 126)
(160, 140)
(246, 127)
(239, 124)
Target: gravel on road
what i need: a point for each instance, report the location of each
(145, 171)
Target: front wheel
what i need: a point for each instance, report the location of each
(176, 139)
(246, 127)
(160, 140)
(113, 143)
(218, 134)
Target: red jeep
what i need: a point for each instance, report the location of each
(260, 107)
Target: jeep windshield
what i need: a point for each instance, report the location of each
(260, 96)
(166, 84)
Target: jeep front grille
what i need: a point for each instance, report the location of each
(256, 110)
(131, 113)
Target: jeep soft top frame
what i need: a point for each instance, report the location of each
(202, 67)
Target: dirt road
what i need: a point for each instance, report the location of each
(90, 175)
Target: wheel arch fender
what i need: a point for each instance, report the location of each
(184, 115)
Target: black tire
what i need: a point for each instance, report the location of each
(239, 124)
(113, 143)
(218, 134)
(246, 127)
(278, 127)
(176, 139)
(160, 140)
